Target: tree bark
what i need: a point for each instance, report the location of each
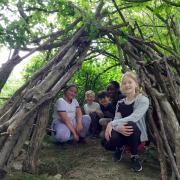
(36, 138)
(7, 68)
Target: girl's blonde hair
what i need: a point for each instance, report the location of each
(90, 92)
(134, 77)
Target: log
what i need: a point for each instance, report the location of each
(32, 154)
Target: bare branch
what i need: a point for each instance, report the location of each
(172, 3)
(157, 15)
(120, 14)
(99, 8)
(41, 9)
(139, 29)
(21, 11)
(105, 53)
(58, 33)
(136, 1)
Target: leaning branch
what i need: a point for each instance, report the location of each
(58, 33)
(172, 3)
(119, 12)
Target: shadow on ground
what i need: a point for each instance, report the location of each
(88, 162)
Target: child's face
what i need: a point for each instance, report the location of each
(104, 101)
(129, 86)
(89, 98)
(71, 93)
(112, 91)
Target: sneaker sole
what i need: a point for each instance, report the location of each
(137, 170)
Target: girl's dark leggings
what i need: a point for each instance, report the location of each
(95, 127)
(118, 140)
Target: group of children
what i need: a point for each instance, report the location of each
(103, 111)
(122, 117)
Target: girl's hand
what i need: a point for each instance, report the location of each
(76, 137)
(100, 114)
(125, 130)
(108, 131)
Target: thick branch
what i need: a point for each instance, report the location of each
(99, 8)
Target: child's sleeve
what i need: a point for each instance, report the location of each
(138, 113)
(61, 107)
(99, 108)
(76, 103)
(117, 113)
(86, 109)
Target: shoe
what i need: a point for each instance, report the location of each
(94, 136)
(135, 163)
(101, 135)
(81, 140)
(118, 154)
(103, 142)
(48, 132)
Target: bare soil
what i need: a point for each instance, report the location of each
(88, 162)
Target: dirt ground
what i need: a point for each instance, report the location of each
(88, 162)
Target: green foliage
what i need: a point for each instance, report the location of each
(17, 31)
(36, 63)
(13, 83)
(91, 76)
(41, 18)
(155, 18)
(16, 34)
(93, 31)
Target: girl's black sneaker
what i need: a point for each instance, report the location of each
(117, 156)
(135, 163)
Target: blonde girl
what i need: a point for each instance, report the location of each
(128, 126)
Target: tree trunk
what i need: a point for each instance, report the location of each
(7, 68)
(36, 138)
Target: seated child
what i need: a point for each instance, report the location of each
(92, 109)
(113, 88)
(128, 128)
(107, 108)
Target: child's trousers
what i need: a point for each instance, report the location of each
(63, 133)
(118, 140)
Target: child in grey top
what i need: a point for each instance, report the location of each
(128, 126)
(93, 110)
(91, 106)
